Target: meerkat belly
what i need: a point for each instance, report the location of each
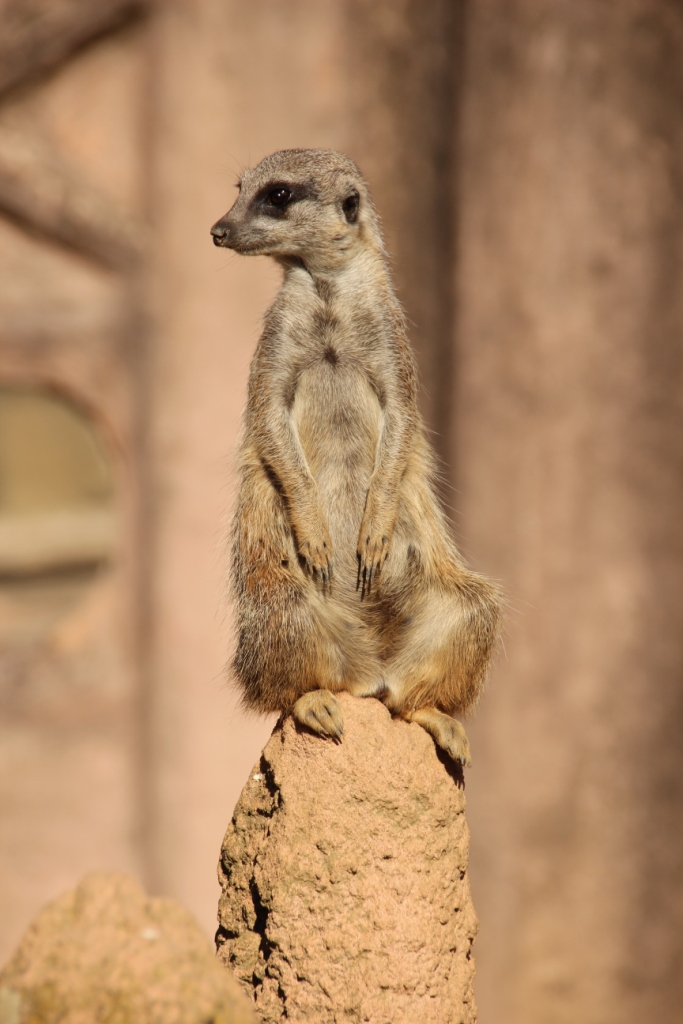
(338, 417)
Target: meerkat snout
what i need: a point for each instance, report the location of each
(310, 206)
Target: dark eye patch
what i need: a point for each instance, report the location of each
(350, 207)
(275, 197)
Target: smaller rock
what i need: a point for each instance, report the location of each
(106, 952)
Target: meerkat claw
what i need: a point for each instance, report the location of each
(324, 725)
(319, 711)
(447, 733)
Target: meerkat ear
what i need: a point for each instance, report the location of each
(350, 207)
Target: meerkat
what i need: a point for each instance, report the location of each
(344, 573)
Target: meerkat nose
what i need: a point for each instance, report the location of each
(219, 233)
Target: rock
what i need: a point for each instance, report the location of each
(105, 952)
(344, 878)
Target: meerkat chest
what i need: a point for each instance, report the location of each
(336, 412)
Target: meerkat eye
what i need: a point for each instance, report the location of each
(350, 207)
(279, 196)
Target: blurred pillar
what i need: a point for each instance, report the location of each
(569, 447)
(404, 64)
(233, 82)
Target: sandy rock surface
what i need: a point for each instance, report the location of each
(344, 876)
(106, 953)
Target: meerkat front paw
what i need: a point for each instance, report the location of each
(315, 552)
(320, 711)
(373, 551)
(447, 732)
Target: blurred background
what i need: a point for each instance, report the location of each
(527, 159)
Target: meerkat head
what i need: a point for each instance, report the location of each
(307, 206)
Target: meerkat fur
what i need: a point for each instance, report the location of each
(344, 573)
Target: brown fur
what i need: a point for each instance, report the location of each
(344, 573)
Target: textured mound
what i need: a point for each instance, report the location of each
(345, 893)
(105, 952)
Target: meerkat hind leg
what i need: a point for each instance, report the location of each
(319, 711)
(448, 733)
(368, 687)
